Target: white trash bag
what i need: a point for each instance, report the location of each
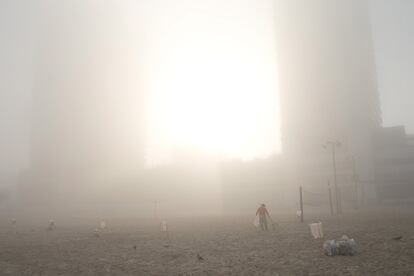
(316, 230)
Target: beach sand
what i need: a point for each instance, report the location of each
(226, 245)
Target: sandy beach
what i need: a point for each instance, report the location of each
(207, 246)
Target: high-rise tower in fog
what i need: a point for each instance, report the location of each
(87, 113)
(327, 77)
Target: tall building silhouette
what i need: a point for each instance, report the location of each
(87, 112)
(327, 78)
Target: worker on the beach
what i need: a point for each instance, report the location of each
(263, 214)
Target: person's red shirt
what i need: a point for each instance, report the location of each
(262, 211)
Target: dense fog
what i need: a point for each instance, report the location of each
(175, 108)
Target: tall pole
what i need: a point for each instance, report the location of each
(335, 178)
(334, 144)
(330, 198)
(340, 200)
(301, 204)
(354, 178)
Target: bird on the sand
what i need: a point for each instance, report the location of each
(397, 238)
(199, 257)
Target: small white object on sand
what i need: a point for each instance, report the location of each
(51, 225)
(164, 226)
(316, 230)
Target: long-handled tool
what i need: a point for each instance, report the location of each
(274, 224)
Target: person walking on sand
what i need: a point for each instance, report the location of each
(263, 215)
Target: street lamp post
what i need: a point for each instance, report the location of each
(333, 145)
(330, 199)
(355, 180)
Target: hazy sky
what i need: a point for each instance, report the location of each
(212, 85)
(245, 30)
(18, 20)
(393, 32)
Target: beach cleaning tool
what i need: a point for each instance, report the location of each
(273, 223)
(256, 221)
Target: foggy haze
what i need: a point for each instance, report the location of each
(94, 95)
(206, 137)
(393, 34)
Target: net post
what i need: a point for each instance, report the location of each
(330, 198)
(301, 203)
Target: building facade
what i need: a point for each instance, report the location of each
(328, 89)
(86, 118)
(394, 164)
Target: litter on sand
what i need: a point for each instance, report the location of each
(164, 226)
(344, 246)
(316, 230)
